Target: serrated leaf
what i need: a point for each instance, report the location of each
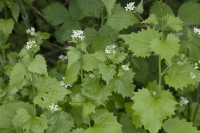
(89, 62)
(19, 76)
(120, 18)
(167, 48)
(100, 55)
(30, 123)
(60, 122)
(140, 8)
(38, 65)
(14, 9)
(73, 55)
(109, 5)
(100, 42)
(49, 91)
(122, 85)
(127, 126)
(161, 9)
(89, 33)
(189, 13)
(6, 26)
(179, 77)
(8, 111)
(139, 43)
(71, 73)
(106, 30)
(80, 101)
(74, 10)
(173, 22)
(179, 126)
(152, 19)
(56, 14)
(153, 110)
(104, 122)
(91, 7)
(107, 71)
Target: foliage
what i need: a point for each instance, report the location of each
(99, 66)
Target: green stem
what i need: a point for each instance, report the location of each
(165, 70)
(160, 76)
(81, 65)
(102, 19)
(33, 95)
(197, 106)
(23, 12)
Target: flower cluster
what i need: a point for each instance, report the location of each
(62, 83)
(196, 65)
(192, 75)
(125, 67)
(31, 31)
(53, 107)
(62, 57)
(77, 34)
(130, 6)
(183, 101)
(196, 30)
(182, 60)
(110, 49)
(92, 75)
(30, 44)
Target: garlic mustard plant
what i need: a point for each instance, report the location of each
(77, 34)
(125, 67)
(196, 30)
(196, 66)
(183, 101)
(130, 6)
(110, 49)
(31, 31)
(30, 44)
(53, 107)
(192, 75)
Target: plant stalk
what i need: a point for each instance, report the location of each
(197, 106)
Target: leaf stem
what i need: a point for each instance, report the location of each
(165, 70)
(160, 76)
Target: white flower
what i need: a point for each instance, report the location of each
(182, 60)
(130, 6)
(192, 75)
(125, 67)
(110, 49)
(196, 30)
(31, 31)
(62, 57)
(77, 34)
(30, 44)
(53, 107)
(199, 61)
(92, 75)
(196, 66)
(62, 83)
(183, 101)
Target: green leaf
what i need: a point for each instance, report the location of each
(152, 19)
(91, 7)
(64, 33)
(49, 91)
(189, 13)
(107, 71)
(6, 26)
(104, 122)
(121, 84)
(81, 101)
(139, 43)
(1, 5)
(161, 9)
(153, 110)
(179, 77)
(90, 34)
(71, 73)
(195, 108)
(74, 10)
(60, 122)
(179, 126)
(127, 126)
(38, 65)
(173, 22)
(139, 7)
(89, 62)
(8, 111)
(19, 76)
(73, 55)
(106, 30)
(14, 9)
(30, 123)
(120, 18)
(109, 5)
(167, 48)
(100, 55)
(78, 130)
(100, 42)
(56, 14)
